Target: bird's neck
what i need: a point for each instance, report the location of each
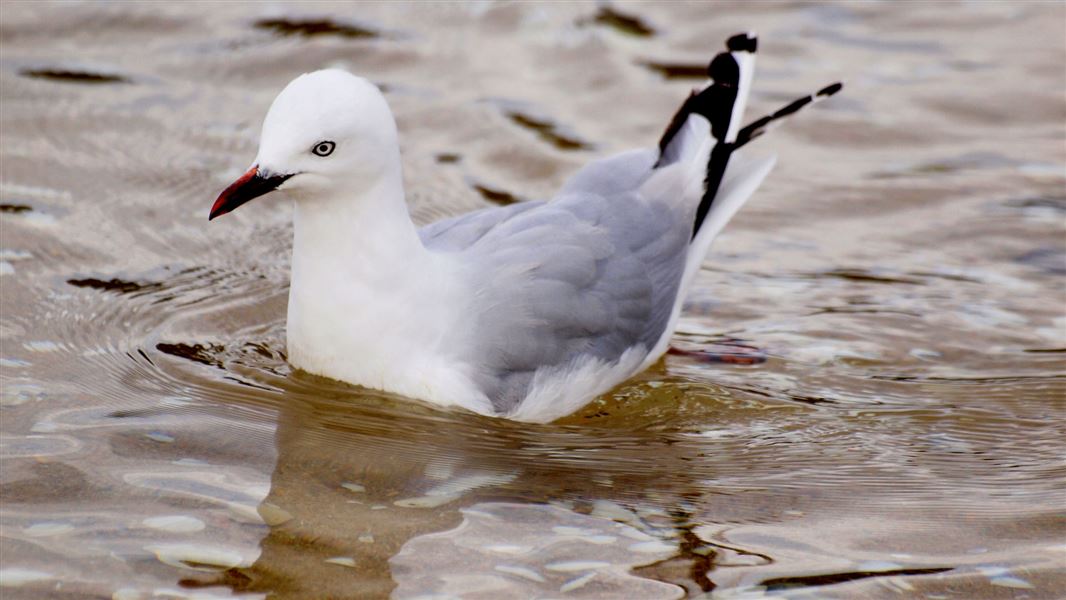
(357, 233)
(366, 295)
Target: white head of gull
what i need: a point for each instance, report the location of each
(526, 311)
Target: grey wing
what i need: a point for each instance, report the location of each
(615, 175)
(459, 233)
(585, 275)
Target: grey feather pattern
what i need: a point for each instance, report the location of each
(594, 272)
(460, 232)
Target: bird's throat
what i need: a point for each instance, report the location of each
(365, 294)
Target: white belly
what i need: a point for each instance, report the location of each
(376, 345)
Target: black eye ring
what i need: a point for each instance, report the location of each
(323, 148)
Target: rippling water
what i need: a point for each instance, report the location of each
(888, 422)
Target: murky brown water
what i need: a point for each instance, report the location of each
(903, 270)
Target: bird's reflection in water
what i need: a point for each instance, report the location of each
(357, 479)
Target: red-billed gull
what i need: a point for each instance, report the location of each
(527, 311)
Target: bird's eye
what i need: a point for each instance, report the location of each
(323, 148)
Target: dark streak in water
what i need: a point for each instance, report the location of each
(315, 27)
(72, 76)
(622, 22)
(946, 276)
(1057, 204)
(811, 400)
(966, 380)
(248, 384)
(676, 70)
(140, 413)
(141, 352)
(843, 310)
(783, 583)
(143, 355)
(448, 158)
(120, 286)
(694, 560)
(547, 131)
(496, 196)
(15, 208)
(866, 276)
(232, 578)
(204, 355)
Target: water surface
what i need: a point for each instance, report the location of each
(901, 272)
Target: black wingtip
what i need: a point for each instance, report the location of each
(829, 90)
(758, 127)
(724, 70)
(715, 102)
(743, 42)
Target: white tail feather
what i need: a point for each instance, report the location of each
(746, 63)
(742, 178)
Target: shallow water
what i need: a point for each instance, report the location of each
(901, 271)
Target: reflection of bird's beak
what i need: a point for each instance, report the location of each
(251, 185)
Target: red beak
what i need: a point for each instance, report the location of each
(251, 185)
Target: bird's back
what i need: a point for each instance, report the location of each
(584, 278)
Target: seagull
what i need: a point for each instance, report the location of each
(527, 311)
